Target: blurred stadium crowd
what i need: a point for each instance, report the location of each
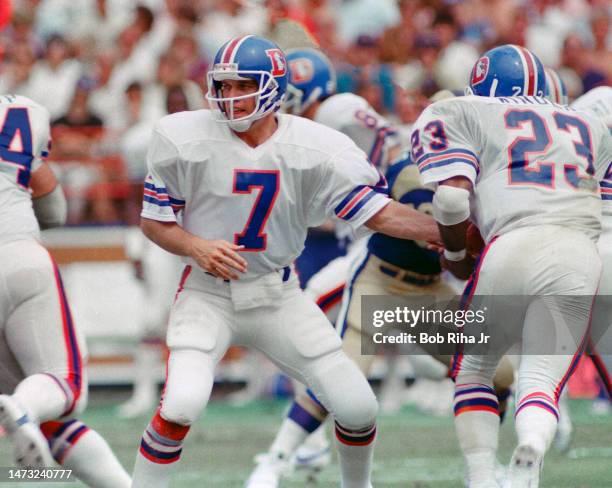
(107, 70)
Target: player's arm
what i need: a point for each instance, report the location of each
(446, 143)
(451, 208)
(218, 257)
(48, 200)
(401, 221)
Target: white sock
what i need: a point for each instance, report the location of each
(43, 396)
(289, 437)
(477, 426)
(90, 458)
(356, 450)
(318, 439)
(536, 421)
(159, 453)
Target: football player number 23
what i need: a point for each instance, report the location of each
(16, 145)
(521, 172)
(267, 184)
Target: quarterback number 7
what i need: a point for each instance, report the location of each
(267, 184)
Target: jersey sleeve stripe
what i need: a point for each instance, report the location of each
(155, 201)
(353, 198)
(447, 162)
(432, 157)
(605, 183)
(358, 206)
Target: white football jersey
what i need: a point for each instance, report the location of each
(532, 162)
(354, 116)
(599, 102)
(264, 198)
(374, 135)
(24, 140)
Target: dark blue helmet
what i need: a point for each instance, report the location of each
(248, 57)
(507, 71)
(311, 78)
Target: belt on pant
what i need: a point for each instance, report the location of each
(407, 276)
(286, 274)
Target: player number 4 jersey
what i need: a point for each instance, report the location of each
(24, 140)
(263, 198)
(532, 162)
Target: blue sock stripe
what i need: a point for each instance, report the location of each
(159, 454)
(480, 389)
(76, 433)
(161, 439)
(303, 418)
(63, 428)
(486, 402)
(534, 402)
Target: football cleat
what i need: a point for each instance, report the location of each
(525, 467)
(30, 448)
(268, 472)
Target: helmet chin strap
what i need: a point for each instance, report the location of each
(241, 125)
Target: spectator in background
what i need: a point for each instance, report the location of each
(362, 73)
(229, 19)
(170, 73)
(574, 59)
(365, 17)
(408, 106)
(397, 42)
(456, 57)
(185, 48)
(103, 99)
(53, 78)
(79, 114)
(419, 74)
(601, 53)
(16, 68)
(548, 25)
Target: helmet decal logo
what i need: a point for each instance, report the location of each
(279, 65)
(301, 69)
(480, 71)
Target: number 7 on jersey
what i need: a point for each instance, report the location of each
(253, 237)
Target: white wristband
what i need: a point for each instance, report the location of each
(454, 255)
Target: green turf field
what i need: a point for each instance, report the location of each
(413, 451)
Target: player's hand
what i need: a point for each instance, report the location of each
(220, 258)
(460, 269)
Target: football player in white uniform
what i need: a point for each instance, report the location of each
(526, 171)
(376, 265)
(249, 182)
(311, 93)
(598, 101)
(42, 355)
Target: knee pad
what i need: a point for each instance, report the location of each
(350, 397)
(183, 409)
